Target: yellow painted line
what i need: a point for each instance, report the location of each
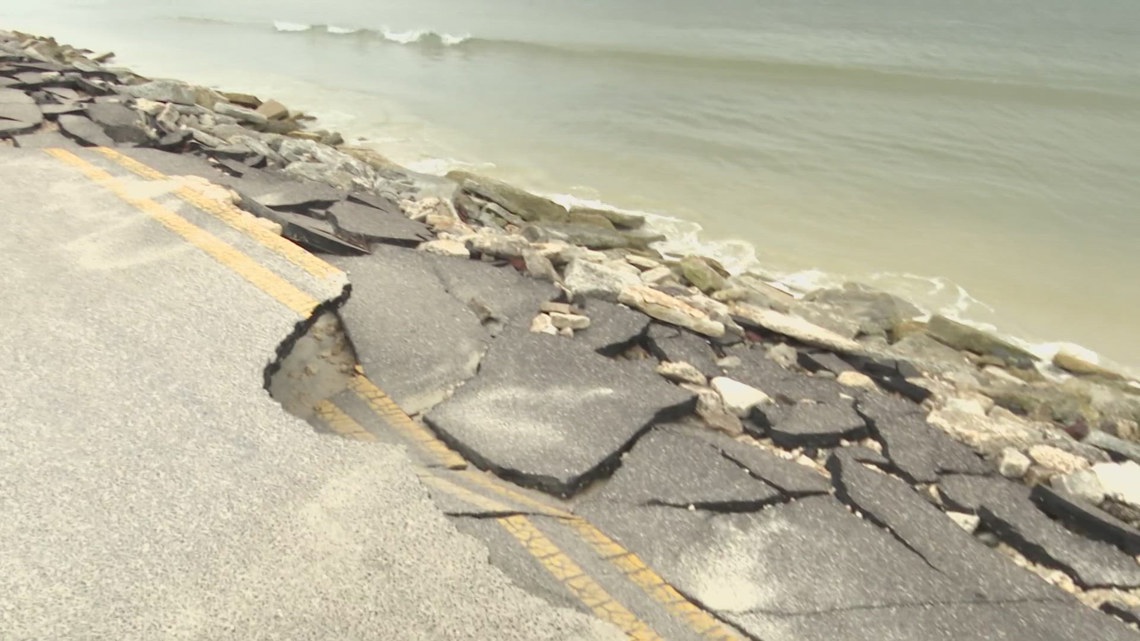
(570, 574)
(342, 423)
(651, 583)
(605, 547)
(233, 216)
(390, 412)
(261, 277)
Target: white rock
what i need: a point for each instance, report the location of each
(641, 262)
(569, 321)
(681, 372)
(241, 113)
(738, 397)
(968, 522)
(1121, 481)
(729, 362)
(656, 275)
(1055, 460)
(543, 324)
(1083, 484)
(666, 308)
(599, 280)
(444, 247)
(1013, 464)
(855, 379)
(793, 327)
(1078, 360)
(567, 332)
(711, 409)
(966, 405)
(784, 354)
(1002, 375)
(499, 245)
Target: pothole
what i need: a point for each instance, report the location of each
(318, 365)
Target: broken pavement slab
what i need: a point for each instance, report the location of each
(551, 414)
(927, 531)
(364, 224)
(84, 130)
(1092, 521)
(811, 424)
(1006, 509)
(499, 295)
(672, 466)
(612, 327)
(417, 358)
(917, 450)
(678, 345)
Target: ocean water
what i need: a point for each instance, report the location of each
(980, 158)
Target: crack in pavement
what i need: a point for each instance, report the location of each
(903, 605)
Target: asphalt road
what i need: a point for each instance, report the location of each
(150, 488)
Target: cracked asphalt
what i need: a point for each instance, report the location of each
(151, 489)
(155, 486)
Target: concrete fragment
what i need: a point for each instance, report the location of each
(1013, 464)
(569, 321)
(681, 372)
(666, 308)
(792, 327)
(598, 280)
(543, 324)
(738, 397)
(445, 247)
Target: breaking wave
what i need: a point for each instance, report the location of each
(407, 37)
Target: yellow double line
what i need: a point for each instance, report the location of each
(561, 566)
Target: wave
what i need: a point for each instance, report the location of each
(407, 37)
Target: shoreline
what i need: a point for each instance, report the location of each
(847, 357)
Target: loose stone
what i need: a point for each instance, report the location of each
(1013, 464)
(738, 397)
(681, 372)
(543, 324)
(569, 321)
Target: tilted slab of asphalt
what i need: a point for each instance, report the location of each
(151, 489)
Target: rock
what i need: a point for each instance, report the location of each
(641, 262)
(543, 324)
(83, 130)
(590, 218)
(657, 275)
(710, 408)
(856, 379)
(968, 522)
(551, 414)
(967, 405)
(1083, 484)
(569, 321)
(273, 110)
(792, 327)
(828, 317)
(701, 274)
(875, 312)
(666, 308)
(784, 354)
(242, 114)
(246, 100)
(445, 247)
(964, 337)
(1118, 448)
(598, 280)
(1013, 464)
(163, 91)
(498, 245)
(1121, 481)
(738, 397)
(1056, 461)
(207, 98)
(585, 235)
(539, 266)
(1083, 362)
(521, 203)
(681, 372)
(621, 219)
(1094, 523)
